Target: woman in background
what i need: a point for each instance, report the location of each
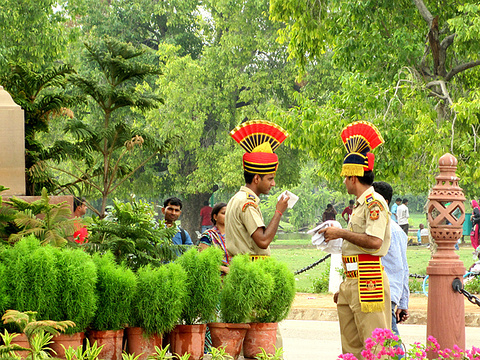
(216, 235)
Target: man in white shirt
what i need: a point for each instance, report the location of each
(403, 215)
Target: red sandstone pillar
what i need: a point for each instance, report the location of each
(446, 213)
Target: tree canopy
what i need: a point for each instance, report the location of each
(409, 67)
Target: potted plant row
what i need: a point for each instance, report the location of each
(115, 290)
(56, 284)
(255, 297)
(202, 289)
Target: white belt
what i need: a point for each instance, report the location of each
(351, 266)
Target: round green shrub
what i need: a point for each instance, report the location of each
(203, 283)
(160, 298)
(244, 288)
(115, 291)
(76, 288)
(276, 307)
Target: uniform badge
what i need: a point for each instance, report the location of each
(371, 285)
(249, 204)
(251, 197)
(374, 214)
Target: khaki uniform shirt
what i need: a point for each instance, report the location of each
(370, 216)
(242, 219)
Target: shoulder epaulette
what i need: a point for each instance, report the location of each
(251, 196)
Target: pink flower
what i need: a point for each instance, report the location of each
(347, 356)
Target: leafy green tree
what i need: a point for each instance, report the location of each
(106, 133)
(409, 67)
(241, 72)
(144, 22)
(42, 96)
(35, 31)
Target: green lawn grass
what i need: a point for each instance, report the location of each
(299, 253)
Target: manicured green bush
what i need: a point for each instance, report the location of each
(203, 284)
(321, 284)
(244, 288)
(31, 277)
(78, 275)
(473, 285)
(115, 291)
(276, 307)
(160, 298)
(4, 300)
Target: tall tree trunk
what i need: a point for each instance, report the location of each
(191, 213)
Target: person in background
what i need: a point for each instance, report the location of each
(80, 235)
(171, 210)
(348, 211)
(398, 201)
(205, 217)
(329, 214)
(396, 265)
(403, 215)
(216, 235)
(421, 232)
(475, 219)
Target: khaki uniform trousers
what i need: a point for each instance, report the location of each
(356, 326)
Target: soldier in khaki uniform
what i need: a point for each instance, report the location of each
(245, 231)
(363, 301)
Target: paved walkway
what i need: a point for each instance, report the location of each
(321, 307)
(320, 340)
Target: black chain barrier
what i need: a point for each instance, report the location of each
(458, 286)
(312, 265)
(416, 276)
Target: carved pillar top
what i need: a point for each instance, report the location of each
(446, 211)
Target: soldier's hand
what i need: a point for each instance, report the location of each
(282, 204)
(335, 297)
(331, 233)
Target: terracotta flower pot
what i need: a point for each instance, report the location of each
(138, 343)
(189, 339)
(21, 340)
(74, 340)
(112, 339)
(260, 335)
(230, 336)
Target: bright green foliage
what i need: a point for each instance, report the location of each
(42, 96)
(473, 285)
(161, 354)
(104, 140)
(244, 287)
(320, 284)
(35, 30)
(131, 232)
(145, 22)
(31, 278)
(76, 288)
(90, 352)
(55, 226)
(264, 356)
(219, 354)
(115, 291)
(422, 94)
(4, 299)
(202, 284)
(160, 298)
(276, 307)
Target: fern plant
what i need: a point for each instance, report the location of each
(52, 227)
(132, 234)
